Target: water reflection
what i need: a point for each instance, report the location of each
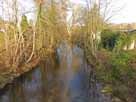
(68, 82)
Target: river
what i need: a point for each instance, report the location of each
(68, 81)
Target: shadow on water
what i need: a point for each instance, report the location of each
(64, 81)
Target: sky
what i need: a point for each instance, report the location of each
(125, 15)
(26, 7)
(128, 12)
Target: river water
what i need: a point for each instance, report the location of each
(68, 81)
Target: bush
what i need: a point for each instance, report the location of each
(108, 39)
(117, 71)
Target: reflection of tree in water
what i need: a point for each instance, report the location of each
(17, 92)
(65, 80)
(43, 80)
(50, 86)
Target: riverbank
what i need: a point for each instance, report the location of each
(66, 80)
(7, 75)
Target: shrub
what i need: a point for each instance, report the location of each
(108, 39)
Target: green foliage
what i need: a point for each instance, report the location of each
(1, 40)
(117, 71)
(116, 68)
(116, 65)
(116, 41)
(124, 39)
(108, 39)
(120, 66)
(121, 41)
(24, 23)
(51, 28)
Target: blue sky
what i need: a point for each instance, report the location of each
(126, 15)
